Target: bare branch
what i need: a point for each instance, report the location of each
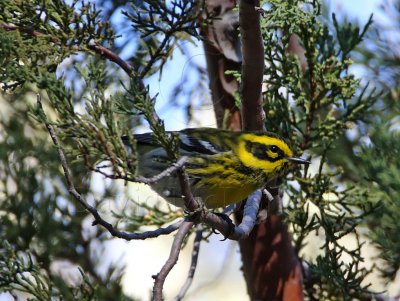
(155, 56)
(107, 53)
(174, 167)
(193, 264)
(231, 208)
(190, 203)
(184, 229)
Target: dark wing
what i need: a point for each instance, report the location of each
(141, 139)
(195, 145)
(205, 141)
(146, 138)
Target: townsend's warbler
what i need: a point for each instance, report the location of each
(224, 167)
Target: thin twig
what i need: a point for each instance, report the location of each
(97, 218)
(193, 264)
(106, 148)
(107, 53)
(190, 203)
(221, 272)
(155, 56)
(174, 167)
(139, 179)
(184, 229)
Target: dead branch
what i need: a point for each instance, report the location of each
(193, 264)
(166, 172)
(159, 279)
(107, 53)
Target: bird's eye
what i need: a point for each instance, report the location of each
(274, 149)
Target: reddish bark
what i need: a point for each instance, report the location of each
(252, 66)
(222, 54)
(221, 88)
(270, 265)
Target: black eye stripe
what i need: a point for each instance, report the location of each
(260, 151)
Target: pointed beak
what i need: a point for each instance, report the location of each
(298, 160)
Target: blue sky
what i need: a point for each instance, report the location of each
(361, 9)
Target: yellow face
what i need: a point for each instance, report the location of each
(263, 152)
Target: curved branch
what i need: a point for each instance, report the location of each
(250, 213)
(166, 172)
(107, 53)
(140, 179)
(159, 279)
(193, 264)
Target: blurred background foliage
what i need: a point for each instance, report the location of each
(349, 127)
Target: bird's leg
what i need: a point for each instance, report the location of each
(226, 218)
(196, 214)
(231, 225)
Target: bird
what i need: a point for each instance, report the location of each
(224, 167)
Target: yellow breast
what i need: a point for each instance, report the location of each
(219, 196)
